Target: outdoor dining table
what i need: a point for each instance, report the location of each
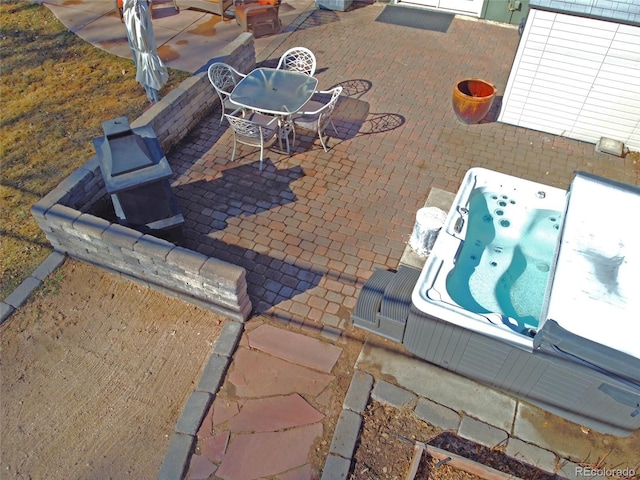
(275, 92)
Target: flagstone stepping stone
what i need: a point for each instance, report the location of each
(302, 473)
(200, 468)
(214, 447)
(205, 427)
(223, 410)
(256, 374)
(257, 455)
(295, 347)
(274, 413)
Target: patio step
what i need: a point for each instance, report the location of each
(385, 301)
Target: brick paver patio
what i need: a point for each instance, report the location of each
(312, 226)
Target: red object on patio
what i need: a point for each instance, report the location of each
(472, 99)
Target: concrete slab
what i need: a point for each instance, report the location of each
(532, 454)
(482, 433)
(572, 441)
(392, 395)
(437, 415)
(573, 471)
(186, 39)
(79, 17)
(441, 386)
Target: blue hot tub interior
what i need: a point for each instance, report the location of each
(504, 262)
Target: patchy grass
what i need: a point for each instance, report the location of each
(56, 90)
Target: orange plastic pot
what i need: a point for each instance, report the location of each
(472, 99)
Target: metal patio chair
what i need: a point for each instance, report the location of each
(224, 79)
(298, 59)
(259, 17)
(255, 130)
(316, 115)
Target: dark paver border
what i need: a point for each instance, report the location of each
(19, 296)
(178, 454)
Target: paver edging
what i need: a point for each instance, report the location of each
(20, 295)
(199, 402)
(338, 463)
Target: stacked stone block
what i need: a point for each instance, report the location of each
(64, 215)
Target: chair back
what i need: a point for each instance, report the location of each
(244, 128)
(298, 59)
(224, 78)
(324, 116)
(250, 129)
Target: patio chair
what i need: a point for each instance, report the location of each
(224, 78)
(298, 59)
(255, 130)
(260, 17)
(217, 7)
(316, 115)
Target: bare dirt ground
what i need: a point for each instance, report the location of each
(95, 371)
(387, 445)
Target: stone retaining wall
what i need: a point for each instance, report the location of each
(64, 214)
(185, 106)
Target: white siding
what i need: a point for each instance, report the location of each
(576, 77)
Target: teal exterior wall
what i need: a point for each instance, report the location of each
(505, 11)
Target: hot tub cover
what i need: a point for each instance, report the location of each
(593, 303)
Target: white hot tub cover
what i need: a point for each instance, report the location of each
(593, 303)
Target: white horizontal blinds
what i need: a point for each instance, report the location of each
(528, 100)
(612, 108)
(577, 77)
(525, 67)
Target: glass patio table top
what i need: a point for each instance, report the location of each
(277, 92)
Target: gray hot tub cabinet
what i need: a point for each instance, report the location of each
(569, 387)
(584, 362)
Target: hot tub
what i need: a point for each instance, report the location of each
(489, 268)
(533, 290)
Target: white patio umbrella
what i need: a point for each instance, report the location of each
(151, 70)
